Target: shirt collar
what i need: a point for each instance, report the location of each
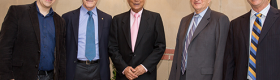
(51, 12)
(140, 12)
(84, 11)
(202, 13)
(263, 12)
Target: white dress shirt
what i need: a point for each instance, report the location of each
(252, 20)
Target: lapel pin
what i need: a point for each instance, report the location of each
(102, 18)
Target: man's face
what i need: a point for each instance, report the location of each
(136, 5)
(258, 3)
(200, 5)
(46, 3)
(89, 4)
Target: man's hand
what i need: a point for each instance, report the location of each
(139, 70)
(12, 79)
(129, 73)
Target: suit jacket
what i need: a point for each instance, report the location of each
(149, 48)
(268, 52)
(206, 49)
(72, 28)
(20, 44)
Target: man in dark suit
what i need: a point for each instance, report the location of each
(87, 32)
(32, 43)
(252, 50)
(136, 42)
(200, 44)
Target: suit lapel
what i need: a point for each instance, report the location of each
(182, 36)
(245, 27)
(202, 24)
(100, 24)
(34, 20)
(144, 25)
(57, 26)
(75, 24)
(126, 27)
(272, 15)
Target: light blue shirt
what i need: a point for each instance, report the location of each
(199, 19)
(82, 33)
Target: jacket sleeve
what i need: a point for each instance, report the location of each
(62, 62)
(228, 64)
(7, 40)
(221, 37)
(159, 47)
(114, 53)
(172, 75)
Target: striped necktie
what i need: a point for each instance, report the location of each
(187, 42)
(257, 27)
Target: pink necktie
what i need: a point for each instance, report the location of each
(134, 30)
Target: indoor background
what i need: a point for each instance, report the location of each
(171, 11)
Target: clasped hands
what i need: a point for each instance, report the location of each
(132, 73)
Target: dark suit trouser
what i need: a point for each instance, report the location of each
(47, 76)
(87, 72)
(183, 77)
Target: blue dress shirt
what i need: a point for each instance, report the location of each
(47, 40)
(82, 33)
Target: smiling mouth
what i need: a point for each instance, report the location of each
(89, 0)
(136, 3)
(196, 3)
(49, 0)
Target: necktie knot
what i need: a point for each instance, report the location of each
(136, 15)
(90, 13)
(196, 16)
(258, 15)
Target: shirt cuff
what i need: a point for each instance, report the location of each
(144, 68)
(123, 71)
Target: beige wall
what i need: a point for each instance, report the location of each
(171, 12)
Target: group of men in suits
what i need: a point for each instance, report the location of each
(81, 42)
(215, 49)
(37, 44)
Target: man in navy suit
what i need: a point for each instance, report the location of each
(87, 30)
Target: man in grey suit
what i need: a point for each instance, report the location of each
(200, 44)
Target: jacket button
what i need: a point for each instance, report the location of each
(74, 61)
(39, 51)
(36, 66)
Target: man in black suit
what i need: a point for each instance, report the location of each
(80, 28)
(32, 43)
(136, 42)
(252, 50)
